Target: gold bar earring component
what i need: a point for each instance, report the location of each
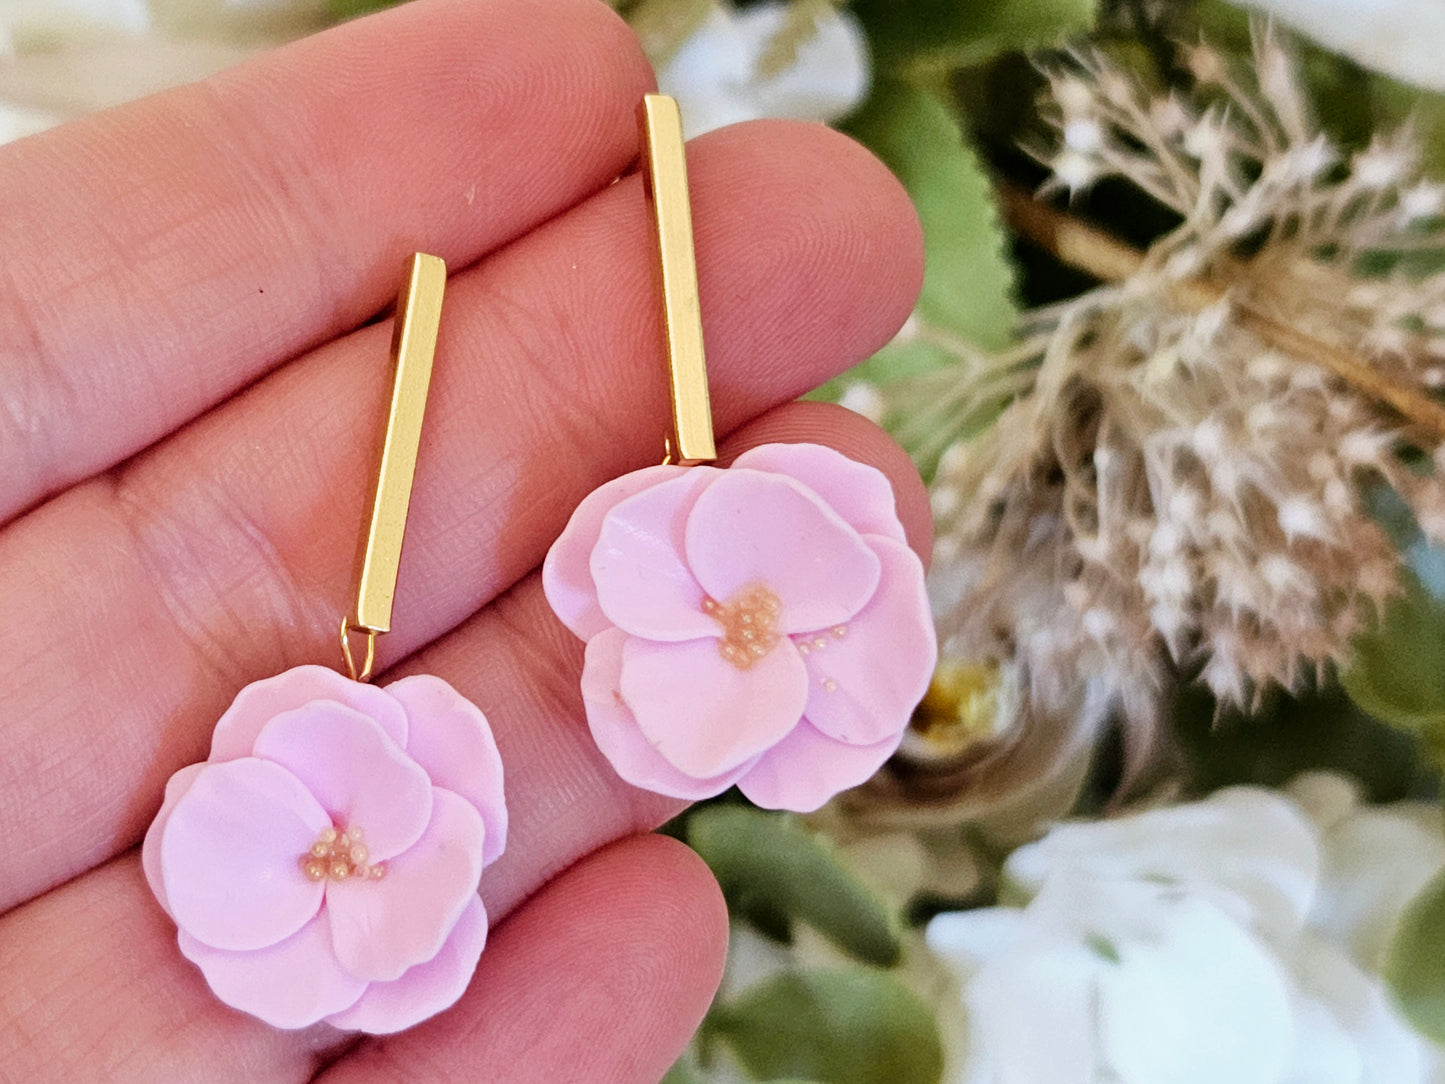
(664, 169)
(306, 747)
(413, 347)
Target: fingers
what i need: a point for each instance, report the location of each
(603, 976)
(612, 966)
(225, 555)
(94, 978)
(160, 256)
(96, 989)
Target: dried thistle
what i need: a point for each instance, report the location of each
(1178, 479)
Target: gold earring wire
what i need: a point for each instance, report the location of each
(413, 346)
(664, 170)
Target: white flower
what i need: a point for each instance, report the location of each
(715, 74)
(1248, 850)
(1375, 860)
(63, 58)
(1345, 1030)
(1399, 37)
(1120, 981)
(1209, 941)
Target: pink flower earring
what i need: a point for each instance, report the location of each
(765, 625)
(323, 862)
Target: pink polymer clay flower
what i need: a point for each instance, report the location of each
(764, 625)
(323, 862)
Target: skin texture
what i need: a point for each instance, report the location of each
(190, 396)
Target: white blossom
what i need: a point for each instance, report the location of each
(1399, 37)
(1231, 939)
(717, 78)
(60, 59)
(1118, 981)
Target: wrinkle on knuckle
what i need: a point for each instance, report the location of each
(218, 578)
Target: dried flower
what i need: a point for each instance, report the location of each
(1175, 481)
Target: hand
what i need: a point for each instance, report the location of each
(189, 404)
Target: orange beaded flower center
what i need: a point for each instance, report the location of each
(339, 855)
(750, 624)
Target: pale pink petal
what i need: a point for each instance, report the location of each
(380, 928)
(230, 855)
(750, 528)
(621, 742)
(452, 741)
(425, 989)
(703, 714)
(292, 984)
(360, 776)
(639, 567)
(807, 768)
(861, 494)
(866, 677)
(567, 573)
(261, 701)
(150, 852)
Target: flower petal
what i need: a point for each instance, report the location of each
(861, 494)
(807, 768)
(1248, 850)
(616, 733)
(291, 984)
(150, 852)
(426, 989)
(567, 572)
(703, 714)
(750, 528)
(640, 567)
(864, 684)
(261, 701)
(452, 741)
(230, 851)
(382, 927)
(360, 776)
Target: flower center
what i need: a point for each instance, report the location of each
(750, 624)
(339, 855)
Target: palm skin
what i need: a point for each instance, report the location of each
(190, 393)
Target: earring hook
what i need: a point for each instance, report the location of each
(664, 170)
(413, 347)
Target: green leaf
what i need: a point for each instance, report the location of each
(1398, 673)
(851, 1026)
(774, 872)
(1271, 744)
(968, 281)
(351, 9)
(1415, 963)
(682, 1072)
(919, 36)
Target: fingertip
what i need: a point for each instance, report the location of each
(857, 438)
(697, 913)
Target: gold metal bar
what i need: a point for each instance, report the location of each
(413, 345)
(665, 173)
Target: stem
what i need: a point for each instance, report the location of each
(1111, 260)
